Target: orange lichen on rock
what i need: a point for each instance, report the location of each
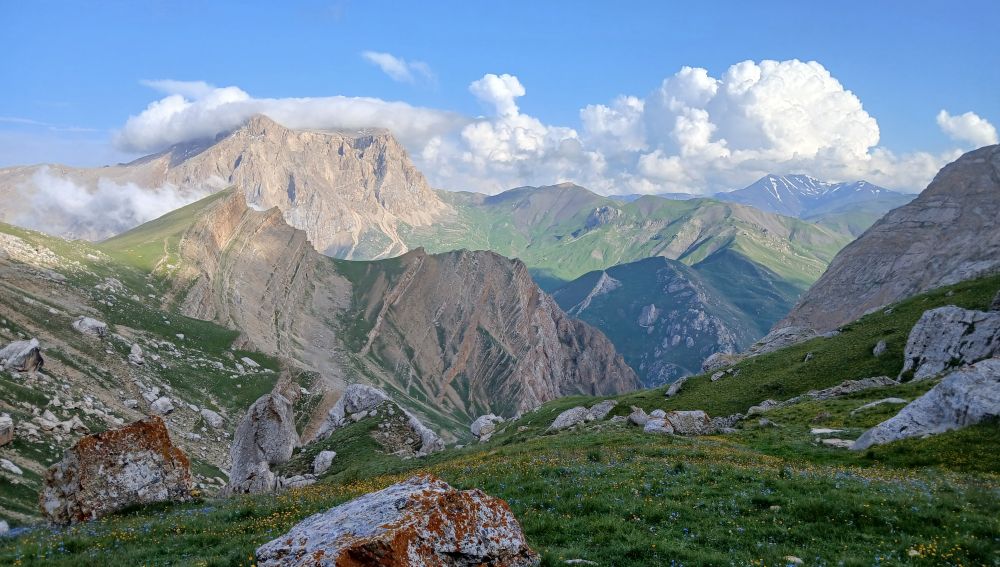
(108, 471)
(422, 521)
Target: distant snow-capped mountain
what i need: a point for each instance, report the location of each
(807, 197)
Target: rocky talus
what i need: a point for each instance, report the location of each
(950, 233)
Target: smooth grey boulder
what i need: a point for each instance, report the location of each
(571, 417)
(323, 461)
(877, 403)
(213, 419)
(484, 426)
(762, 407)
(601, 410)
(638, 417)
(658, 425)
(995, 306)
(162, 406)
(947, 337)
(22, 356)
(964, 397)
(135, 355)
(265, 436)
(675, 388)
(694, 422)
(879, 349)
(781, 338)
(90, 326)
(657, 414)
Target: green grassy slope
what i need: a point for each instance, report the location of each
(565, 231)
(614, 495)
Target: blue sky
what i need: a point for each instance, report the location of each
(72, 70)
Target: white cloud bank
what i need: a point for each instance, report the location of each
(969, 128)
(397, 68)
(694, 132)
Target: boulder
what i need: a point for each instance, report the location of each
(485, 425)
(6, 429)
(878, 403)
(323, 461)
(879, 349)
(4, 528)
(675, 388)
(297, 481)
(638, 417)
(421, 521)
(357, 398)
(995, 305)
(964, 397)
(105, 472)
(162, 406)
(695, 422)
(22, 356)
(781, 338)
(851, 387)
(89, 326)
(265, 436)
(947, 337)
(213, 419)
(658, 425)
(10, 467)
(601, 410)
(571, 417)
(430, 442)
(657, 414)
(763, 407)
(135, 355)
(719, 360)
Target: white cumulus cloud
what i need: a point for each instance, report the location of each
(397, 68)
(969, 128)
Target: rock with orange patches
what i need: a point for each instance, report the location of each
(421, 521)
(105, 472)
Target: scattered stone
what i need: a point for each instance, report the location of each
(808, 357)
(726, 424)
(995, 305)
(763, 407)
(10, 467)
(356, 398)
(180, 336)
(838, 443)
(485, 426)
(794, 560)
(89, 326)
(601, 410)
(964, 397)
(135, 355)
(131, 404)
(658, 425)
(571, 417)
(715, 377)
(579, 562)
(781, 338)
(162, 406)
(764, 422)
(849, 387)
(421, 521)
(6, 429)
(323, 461)
(879, 349)
(878, 403)
(695, 422)
(297, 481)
(821, 417)
(823, 431)
(720, 360)
(265, 436)
(948, 337)
(4, 528)
(657, 414)
(638, 417)
(213, 419)
(105, 472)
(251, 363)
(675, 388)
(22, 356)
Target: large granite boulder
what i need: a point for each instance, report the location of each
(22, 356)
(950, 336)
(105, 472)
(484, 426)
(694, 422)
(421, 521)
(265, 436)
(90, 326)
(964, 397)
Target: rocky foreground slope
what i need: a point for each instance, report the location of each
(950, 233)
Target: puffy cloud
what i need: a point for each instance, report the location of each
(190, 112)
(397, 68)
(499, 91)
(969, 128)
(62, 206)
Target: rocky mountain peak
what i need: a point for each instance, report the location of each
(949, 233)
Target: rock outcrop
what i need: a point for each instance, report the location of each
(484, 426)
(322, 461)
(949, 233)
(22, 356)
(580, 414)
(6, 429)
(964, 397)
(422, 521)
(692, 422)
(947, 337)
(105, 472)
(265, 436)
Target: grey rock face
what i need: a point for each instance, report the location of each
(780, 338)
(949, 233)
(950, 336)
(323, 461)
(108, 471)
(421, 521)
(90, 326)
(964, 397)
(265, 436)
(22, 356)
(695, 422)
(995, 305)
(571, 417)
(485, 425)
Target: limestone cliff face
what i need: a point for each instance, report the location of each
(347, 190)
(449, 336)
(949, 233)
